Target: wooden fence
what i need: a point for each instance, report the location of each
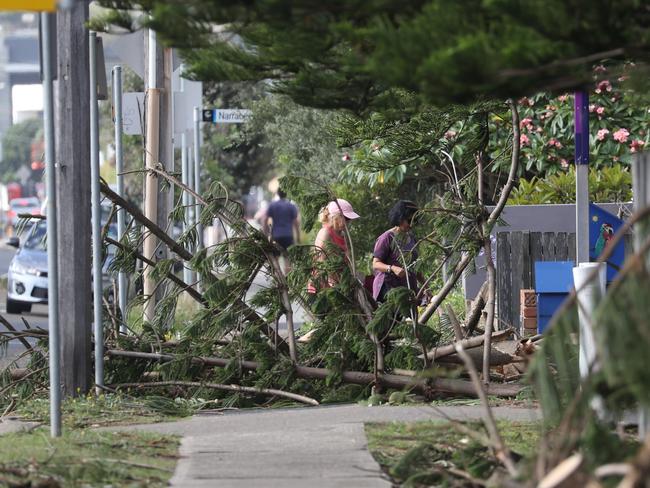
(516, 256)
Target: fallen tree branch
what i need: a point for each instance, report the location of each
(449, 349)
(501, 449)
(476, 355)
(421, 385)
(11, 328)
(476, 311)
(171, 276)
(562, 472)
(217, 386)
(247, 312)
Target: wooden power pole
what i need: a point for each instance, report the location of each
(73, 196)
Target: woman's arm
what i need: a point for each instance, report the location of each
(382, 267)
(322, 238)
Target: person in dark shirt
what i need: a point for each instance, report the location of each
(395, 252)
(282, 215)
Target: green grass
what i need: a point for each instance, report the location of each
(87, 458)
(433, 453)
(92, 411)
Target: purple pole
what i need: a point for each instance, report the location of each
(581, 131)
(581, 118)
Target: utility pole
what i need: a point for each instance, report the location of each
(73, 197)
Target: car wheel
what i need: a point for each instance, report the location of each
(14, 306)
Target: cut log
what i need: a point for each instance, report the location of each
(423, 385)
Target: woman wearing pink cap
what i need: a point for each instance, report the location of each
(331, 237)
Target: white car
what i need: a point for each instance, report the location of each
(27, 276)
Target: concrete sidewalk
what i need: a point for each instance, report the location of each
(298, 447)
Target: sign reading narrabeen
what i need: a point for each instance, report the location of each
(226, 115)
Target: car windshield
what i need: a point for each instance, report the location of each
(36, 238)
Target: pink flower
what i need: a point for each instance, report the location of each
(602, 86)
(592, 107)
(602, 133)
(526, 122)
(345, 157)
(600, 110)
(636, 145)
(526, 102)
(622, 78)
(621, 135)
(564, 163)
(563, 98)
(554, 143)
(524, 140)
(450, 134)
(600, 69)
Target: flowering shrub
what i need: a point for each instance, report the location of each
(619, 127)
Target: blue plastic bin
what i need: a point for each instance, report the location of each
(553, 283)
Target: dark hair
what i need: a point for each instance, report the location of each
(281, 193)
(402, 210)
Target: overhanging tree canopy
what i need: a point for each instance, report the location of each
(347, 54)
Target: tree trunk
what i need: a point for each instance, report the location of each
(421, 385)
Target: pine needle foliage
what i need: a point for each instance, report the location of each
(579, 411)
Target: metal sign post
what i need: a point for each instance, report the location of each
(96, 218)
(581, 131)
(52, 230)
(197, 174)
(119, 169)
(641, 192)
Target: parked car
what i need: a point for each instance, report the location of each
(18, 206)
(27, 276)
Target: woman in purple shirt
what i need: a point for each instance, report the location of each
(395, 251)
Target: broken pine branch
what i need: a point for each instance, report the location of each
(216, 386)
(501, 450)
(460, 387)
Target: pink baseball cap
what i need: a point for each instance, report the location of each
(342, 206)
